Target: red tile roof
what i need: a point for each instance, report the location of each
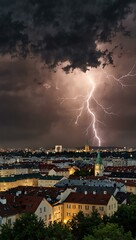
(45, 192)
(28, 204)
(95, 199)
(19, 204)
(120, 169)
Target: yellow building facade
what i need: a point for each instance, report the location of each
(104, 204)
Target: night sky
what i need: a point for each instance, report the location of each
(51, 51)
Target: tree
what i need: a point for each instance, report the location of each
(132, 199)
(6, 232)
(109, 231)
(126, 217)
(28, 227)
(81, 225)
(58, 231)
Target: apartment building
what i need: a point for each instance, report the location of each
(53, 204)
(105, 204)
(12, 207)
(34, 179)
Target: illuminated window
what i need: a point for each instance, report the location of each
(68, 205)
(86, 207)
(74, 206)
(68, 214)
(74, 214)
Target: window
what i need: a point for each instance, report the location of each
(49, 216)
(79, 206)
(68, 214)
(9, 221)
(44, 209)
(74, 214)
(45, 218)
(114, 205)
(86, 207)
(40, 210)
(101, 208)
(93, 208)
(68, 205)
(74, 206)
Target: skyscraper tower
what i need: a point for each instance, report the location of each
(98, 165)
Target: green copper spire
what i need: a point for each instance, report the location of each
(98, 159)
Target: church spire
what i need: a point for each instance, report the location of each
(98, 159)
(99, 165)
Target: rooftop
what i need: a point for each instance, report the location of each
(95, 199)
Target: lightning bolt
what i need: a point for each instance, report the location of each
(123, 77)
(86, 107)
(89, 98)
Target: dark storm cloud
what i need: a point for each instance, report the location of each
(62, 30)
(35, 34)
(27, 110)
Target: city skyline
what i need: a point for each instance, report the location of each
(50, 58)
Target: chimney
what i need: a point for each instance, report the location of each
(18, 193)
(3, 200)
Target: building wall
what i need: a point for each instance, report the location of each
(112, 206)
(47, 183)
(13, 171)
(45, 212)
(21, 182)
(131, 189)
(52, 172)
(58, 213)
(71, 209)
(119, 162)
(8, 220)
(99, 169)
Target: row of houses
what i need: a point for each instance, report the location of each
(53, 204)
(34, 179)
(52, 195)
(43, 168)
(37, 179)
